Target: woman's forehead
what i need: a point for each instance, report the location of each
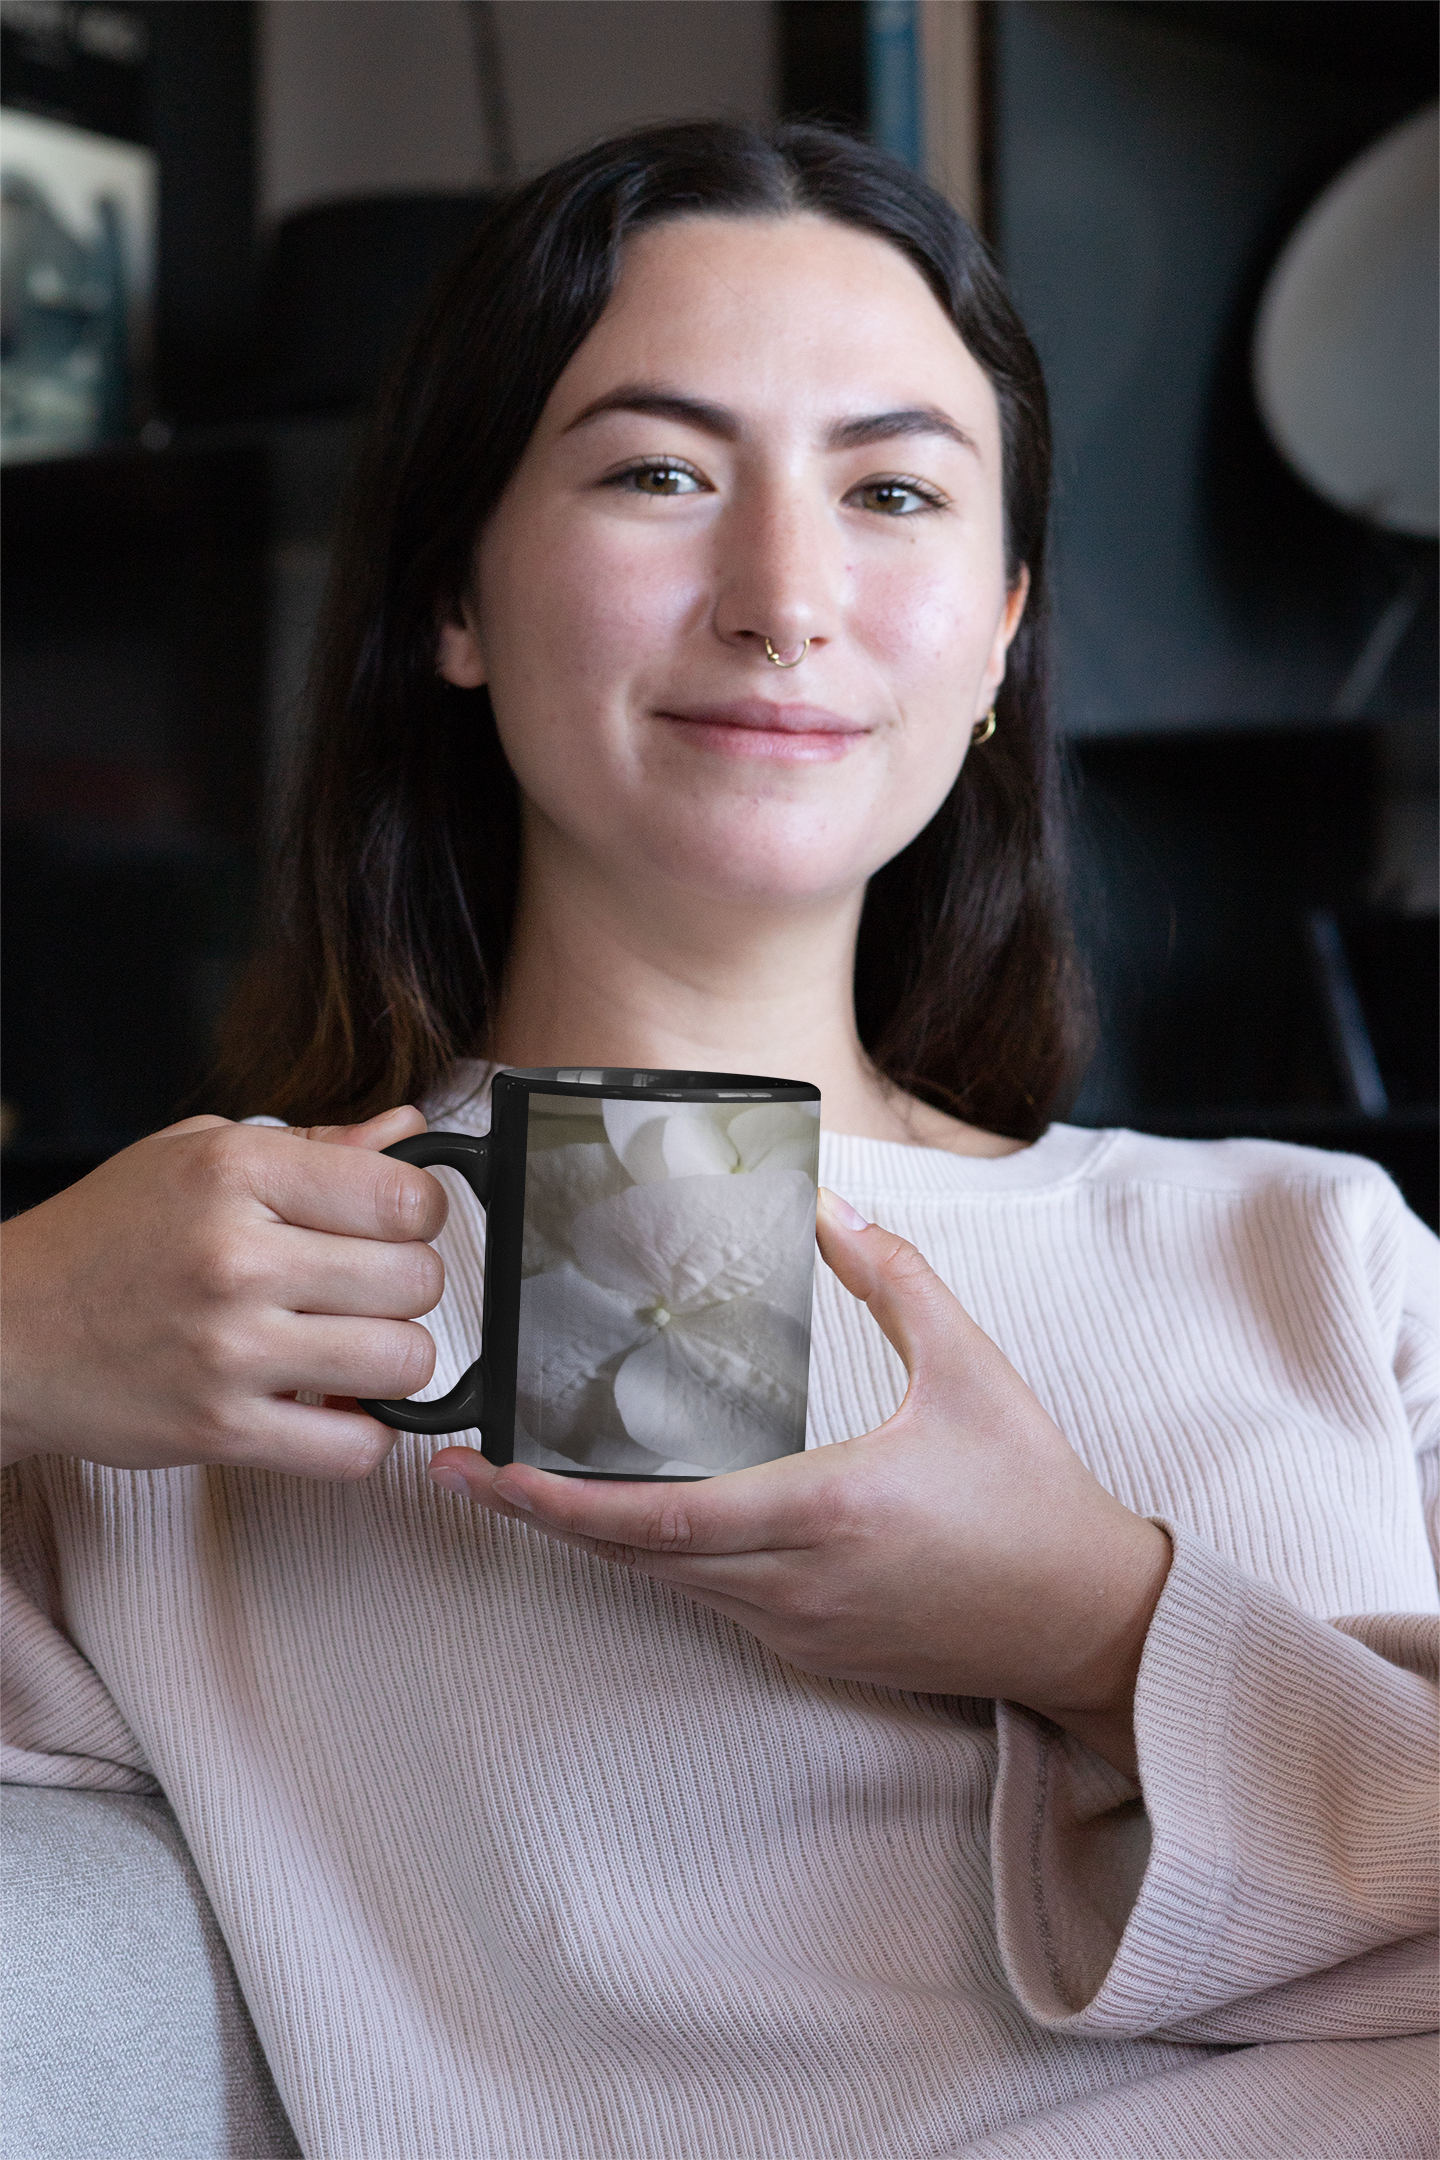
(778, 312)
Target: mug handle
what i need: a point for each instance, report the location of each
(465, 1404)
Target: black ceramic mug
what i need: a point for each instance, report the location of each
(649, 1257)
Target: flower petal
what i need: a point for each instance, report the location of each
(558, 1183)
(694, 1146)
(571, 1331)
(696, 1241)
(792, 1286)
(641, 1135)
(722, 1388)
(778, 1136)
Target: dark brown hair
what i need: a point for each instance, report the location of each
(397, 886)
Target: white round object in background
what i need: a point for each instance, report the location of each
(1346, 342)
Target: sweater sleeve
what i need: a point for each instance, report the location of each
(1277, 1881)
(61, 1725)
(1272, 1877)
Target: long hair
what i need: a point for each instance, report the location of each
(397, 883)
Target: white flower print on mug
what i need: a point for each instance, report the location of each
(665, 1305)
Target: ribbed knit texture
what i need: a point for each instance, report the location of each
(522, 1857)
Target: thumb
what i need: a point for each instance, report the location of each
(914, 1309)
(378, 1132)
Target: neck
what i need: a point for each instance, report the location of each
(600, 975)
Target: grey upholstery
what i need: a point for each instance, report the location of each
(125, 2033)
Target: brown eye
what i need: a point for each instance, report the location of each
(663, 480)
(894, 498)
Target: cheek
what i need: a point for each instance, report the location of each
(930, 624)
(576, 606)
(570, 625)
(929, 630)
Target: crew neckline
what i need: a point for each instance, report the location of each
(1061, 1154)
(855, 1162)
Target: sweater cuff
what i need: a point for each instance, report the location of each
(1284, 1775)
(1099, 1929)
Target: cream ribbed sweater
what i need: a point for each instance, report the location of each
(522, 1857)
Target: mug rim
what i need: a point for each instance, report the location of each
(656, 1084)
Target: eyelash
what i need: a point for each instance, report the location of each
(657, 465)
(930, 497)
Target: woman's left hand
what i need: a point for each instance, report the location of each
(962, 1548)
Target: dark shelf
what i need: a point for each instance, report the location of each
(1388, 41)
(135, 601)
(822, 62)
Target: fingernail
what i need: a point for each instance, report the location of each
(510, 1497)
(452, 1479)
(840, 1211)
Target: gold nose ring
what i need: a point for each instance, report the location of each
(775, 660)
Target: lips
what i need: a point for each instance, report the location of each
(756, 727)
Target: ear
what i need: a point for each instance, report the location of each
(458, 657)
(1005, 629)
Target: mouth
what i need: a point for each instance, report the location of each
(756, 728)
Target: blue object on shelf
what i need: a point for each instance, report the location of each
(892, 55)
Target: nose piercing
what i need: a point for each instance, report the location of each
(775, 660)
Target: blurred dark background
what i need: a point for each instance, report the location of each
(1246, 673)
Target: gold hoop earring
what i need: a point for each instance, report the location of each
(775, 660)
(983, 729)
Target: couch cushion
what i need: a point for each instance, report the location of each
(125, 2033)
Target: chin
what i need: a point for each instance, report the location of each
(761, 861)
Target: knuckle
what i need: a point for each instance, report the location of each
(222, 1356)
(227, 1266)
(365, 1455)
(617, 1555)
(673, 1530)
(217, 1432)
(904, 1263)
(413, 1355)
(223, 1157)
(426, 1277)
(407, 1203)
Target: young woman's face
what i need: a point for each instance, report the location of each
(773, 432)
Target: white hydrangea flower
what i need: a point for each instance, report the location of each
(665, 1321)
(559, 1183)
(665, 1140)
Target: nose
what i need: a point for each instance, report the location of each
(779, 575)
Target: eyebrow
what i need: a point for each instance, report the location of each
(660, 403)
(887, 426)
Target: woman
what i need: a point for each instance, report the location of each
(975, 1786)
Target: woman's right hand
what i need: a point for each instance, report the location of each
(168, 1308)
